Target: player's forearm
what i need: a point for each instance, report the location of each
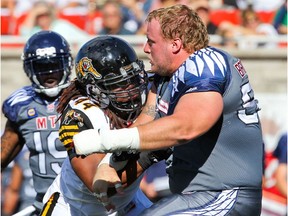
(86, 167)
(173, 130)
(8, 153)
(154, 136)
(11, 145)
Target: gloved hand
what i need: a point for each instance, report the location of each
(147, 158)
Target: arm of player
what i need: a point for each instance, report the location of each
(106, 174)
(101, 141)
(193, 116)
(11, 144)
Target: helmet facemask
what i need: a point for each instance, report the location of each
(48, 70)
(124, 93)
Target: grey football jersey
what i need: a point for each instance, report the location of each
(36, 121)
(230, 154)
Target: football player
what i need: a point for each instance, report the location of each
(31, 111)
(211, 122)
(109, 92)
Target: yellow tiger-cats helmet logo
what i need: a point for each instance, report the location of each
(85, 66)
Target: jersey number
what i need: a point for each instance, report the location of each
(248, 103)
(52, 153)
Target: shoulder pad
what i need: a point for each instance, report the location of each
(16, 100)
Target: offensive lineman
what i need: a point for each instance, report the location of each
(212, 122)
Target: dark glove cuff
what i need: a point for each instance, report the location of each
(145, 160)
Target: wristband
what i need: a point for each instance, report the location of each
(120, 140)
(117, 165)
(102, 141)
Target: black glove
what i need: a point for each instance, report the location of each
(147, 158)
(125, 155)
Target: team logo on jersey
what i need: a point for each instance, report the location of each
(31, 112)
(240, 68)
(72, 115)
(85, 66)
(50, 108)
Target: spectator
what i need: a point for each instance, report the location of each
(258, 5)
(203, 9)
(113, 22)
(274, 201)
(281, 172)
(250, 25)
(94, 18)
(72, 7)
(253, 26)
(165, 3)
(132, 14)
(280, 20)
(42, 17)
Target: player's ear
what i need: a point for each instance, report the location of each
(176, 45)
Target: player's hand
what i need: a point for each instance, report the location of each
(104, 178)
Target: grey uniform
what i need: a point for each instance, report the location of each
(229, 157)
(36, 122)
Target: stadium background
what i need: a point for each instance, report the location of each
(267, 69)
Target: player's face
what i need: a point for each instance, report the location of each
(158, 50)
(126, 94)
(49, 72)
(50, 80)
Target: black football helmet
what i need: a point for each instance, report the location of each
(110, 71)
(47, 58)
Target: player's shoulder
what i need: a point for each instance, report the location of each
(209, 62)
(84, 109)
(22, 95)
(17, 100)
(85, 105)
(209, 55)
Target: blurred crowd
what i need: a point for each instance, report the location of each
(83, 18)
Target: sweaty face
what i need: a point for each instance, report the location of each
(126, 94)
